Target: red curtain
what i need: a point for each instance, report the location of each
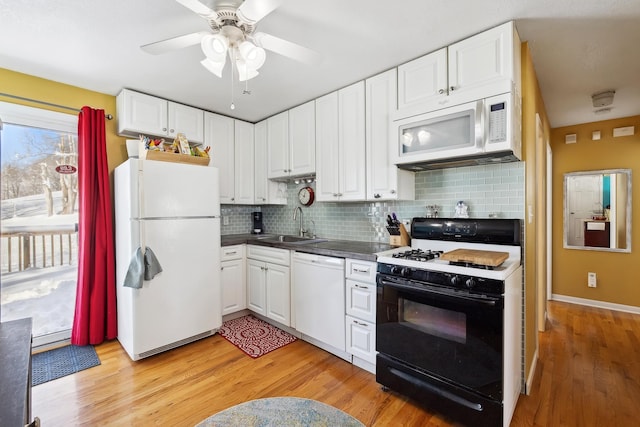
(95, 313)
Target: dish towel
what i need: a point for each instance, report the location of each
(142, 267)
(151, 265)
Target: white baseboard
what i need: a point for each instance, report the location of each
(595, 303)
(532, 372)
(363, 364)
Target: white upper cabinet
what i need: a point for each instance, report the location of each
(278, 145)
(483, 65)
(231, 152)
(244, 163)
(340, 145)
(302, 139)
(327, 156)
(186, 120)
(291, 142)
(384, 180)
(422, 79)
(140, 113)
(265, 190)
(220, 136)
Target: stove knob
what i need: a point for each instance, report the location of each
(404, 272)
(470, 283)
(396, 270)
(455, 280)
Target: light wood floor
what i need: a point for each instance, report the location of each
(588, 375)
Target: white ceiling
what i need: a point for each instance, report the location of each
(579, 47)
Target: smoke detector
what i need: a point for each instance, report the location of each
(602, 99)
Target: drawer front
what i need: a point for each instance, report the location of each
(269, 254)
(228, 253)
(361, 339)
(361, 270)
(361, 300)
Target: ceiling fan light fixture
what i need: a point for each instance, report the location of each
(215, 47)
(214, 67)
(245, 71)
(253, 55)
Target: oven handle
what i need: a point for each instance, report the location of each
(427, 289)
(443, 393)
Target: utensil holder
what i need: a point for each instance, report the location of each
(399, 236)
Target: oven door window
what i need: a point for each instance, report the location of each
(456, 339)
(438, 322)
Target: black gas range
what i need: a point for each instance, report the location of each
(448, 333)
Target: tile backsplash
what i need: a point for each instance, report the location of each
(489, 191)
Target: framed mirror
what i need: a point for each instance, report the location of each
(597, 210)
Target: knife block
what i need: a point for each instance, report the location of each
(400, 239)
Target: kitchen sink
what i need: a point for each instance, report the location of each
(294, 240)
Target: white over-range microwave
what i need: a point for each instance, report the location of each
(485, 131)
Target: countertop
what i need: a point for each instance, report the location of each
(15, 372)
(337, 248)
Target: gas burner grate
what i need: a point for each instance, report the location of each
(418, 255)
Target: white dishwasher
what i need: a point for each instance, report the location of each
(319, 298)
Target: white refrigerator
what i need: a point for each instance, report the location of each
(173, 209)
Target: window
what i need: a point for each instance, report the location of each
(38, 189)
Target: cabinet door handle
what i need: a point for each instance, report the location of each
(221, 268)
(393, 191)
(452, 88)
(359, 270)
(171, 130)
(361, 286)
(360, 323)
(376, 196)
(441, 91)
(231, 253)
(164, 129)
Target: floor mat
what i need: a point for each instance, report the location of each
(282, 412)
(254, 336)
(52, 364)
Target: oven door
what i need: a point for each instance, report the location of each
(449, 334)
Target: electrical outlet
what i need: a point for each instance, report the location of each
(591, 280)
(225, 220)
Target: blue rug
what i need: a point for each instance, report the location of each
(281, 412)
(52, 364)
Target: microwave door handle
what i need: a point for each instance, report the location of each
(480, 129)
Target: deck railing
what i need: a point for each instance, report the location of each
(26, 247)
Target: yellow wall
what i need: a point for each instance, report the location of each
(23, 85)
(617, 272)
(535, 158)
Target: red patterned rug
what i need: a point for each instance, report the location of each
(254, 336)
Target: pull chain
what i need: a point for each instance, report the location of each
(233, 66)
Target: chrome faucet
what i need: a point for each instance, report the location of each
(295, 213)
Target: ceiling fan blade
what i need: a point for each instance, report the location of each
(197, 7)
(251, 11)
(174, 43)
(287, 48)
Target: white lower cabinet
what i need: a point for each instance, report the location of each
(232, 279)
(361, 339)
(268, 283)
(360, 313)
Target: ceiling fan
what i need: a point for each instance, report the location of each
(233, 33)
